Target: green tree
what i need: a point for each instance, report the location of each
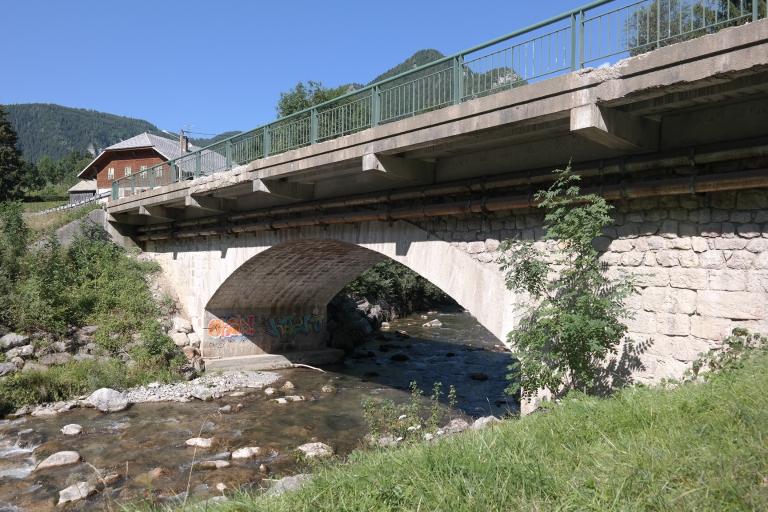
(663, 22)
(13, 244)
(12, 168)
(575, 322)
(305, 95)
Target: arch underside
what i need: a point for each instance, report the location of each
(275, 300)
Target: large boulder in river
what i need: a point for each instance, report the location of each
(315, 450)
(58, 459)
(76, 492)
(107, 400)
(13, 340)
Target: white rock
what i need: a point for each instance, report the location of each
(246, 452)
(180, 339)
(288, 484)
(107, 400)
(288, 386)
(72, 429)
(64, 458)
(212, 464)
(42, 411)
(316, 450)
(485, 421)
(433, 323)
(75, 492)
(182, 325)
(455, 426)
(270, 391)
(200, 442)
(194, 340)
(12, 340)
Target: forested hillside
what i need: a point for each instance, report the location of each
(55, 131)
(419, 58)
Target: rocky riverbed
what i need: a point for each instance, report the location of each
(243, 429)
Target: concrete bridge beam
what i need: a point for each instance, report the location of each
(398, 168)
(284, 190)
(208, 204)
(160, 213)
(613, 128)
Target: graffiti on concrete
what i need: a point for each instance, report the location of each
(232, 328)
(288, 326)
(243, 327)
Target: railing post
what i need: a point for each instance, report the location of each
(198, 164)
(375, 106)
(115, 191)
(755, 13)
(151, 173)
(313, 126)
(266, 141)
(458, 79)
(658, 24)
(174, 170)
(228, 147)
(573, 41)
(133, 185)
(582, 26)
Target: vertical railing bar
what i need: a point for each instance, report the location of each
(581, 38)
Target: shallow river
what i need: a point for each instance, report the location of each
(145, 437)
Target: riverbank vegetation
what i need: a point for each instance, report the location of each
(574, 322)
(699, 445)
(48, 291)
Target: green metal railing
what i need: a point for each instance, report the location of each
(598, 33)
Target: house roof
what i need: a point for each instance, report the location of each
(83, 186)
(168, 148)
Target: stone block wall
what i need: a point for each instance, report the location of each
(700, 263)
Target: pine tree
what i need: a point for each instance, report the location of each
(12, 169)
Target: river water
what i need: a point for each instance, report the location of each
(146, 443)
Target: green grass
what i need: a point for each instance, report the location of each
(696, 447)
(41, 225)
(72, 379)
(38, 206)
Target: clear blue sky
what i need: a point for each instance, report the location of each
(221, 65)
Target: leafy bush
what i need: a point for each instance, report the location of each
(402, 420)
(13, 243)
(574, 322)
(736, 349)
(93, 281)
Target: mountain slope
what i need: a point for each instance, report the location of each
(419, 58)
(54, 130)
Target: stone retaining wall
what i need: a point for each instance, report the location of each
(700, 262)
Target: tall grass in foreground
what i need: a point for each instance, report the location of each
(696, 447)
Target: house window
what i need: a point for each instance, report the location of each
(111, 173)
(142, 167)
(159, 172)
(127, 171)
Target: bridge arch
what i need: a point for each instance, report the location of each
(271, 292)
